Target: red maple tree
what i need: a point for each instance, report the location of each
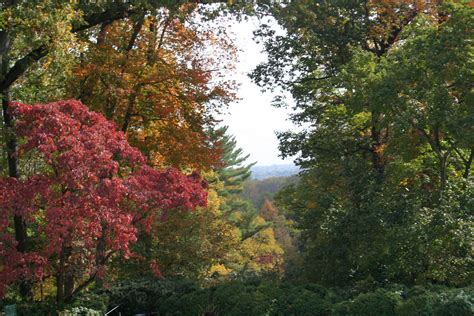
(86, 194)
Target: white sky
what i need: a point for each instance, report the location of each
(252, 119)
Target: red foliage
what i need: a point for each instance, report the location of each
(265, 259)
(91, 185)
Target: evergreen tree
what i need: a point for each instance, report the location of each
(232, 174)
(259, 250)
(234, 170)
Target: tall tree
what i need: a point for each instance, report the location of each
(380, 86)
(30, 32)
(38, 49)
(232, 173)
(258, 251)
(160, 76)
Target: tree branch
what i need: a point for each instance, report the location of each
(306, 79)
(392, 38)
(116, 13)
(163, 32)
(468, 164)
(136, 30)
(21, 66)
(89, 280)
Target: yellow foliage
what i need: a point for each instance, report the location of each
(219, 269)
(261, 253)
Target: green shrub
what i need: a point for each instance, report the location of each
(92, 300)
(259, 297)
(380, 303)
(438, 301)
(301, 301)
(342, 308)
(231, 298)
(193, 303)
(146, 295)
(250, 298)
(418, 305)
(455, 302)
(37, 308)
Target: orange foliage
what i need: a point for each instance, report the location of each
(161, 79)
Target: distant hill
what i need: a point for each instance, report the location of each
(259, 190)
(264, 172)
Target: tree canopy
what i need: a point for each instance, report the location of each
(384, 92)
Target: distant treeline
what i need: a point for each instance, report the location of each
(265, 189)
(264, 172)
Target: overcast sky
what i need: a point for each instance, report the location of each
(252, 119)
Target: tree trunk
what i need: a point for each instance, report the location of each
(130, 108)
(60, 278)
(11, 146)
(376, 147)
(64, 276)
(468, 164)
(68, 284)
(100, 257)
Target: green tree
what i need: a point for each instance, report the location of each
(232, 174)
(383, 91)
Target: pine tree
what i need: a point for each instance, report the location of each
(232, 174)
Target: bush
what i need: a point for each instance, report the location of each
(342, 309)
(419, 305)
(455, 302)
(438, 301)
(193, 303)
(48, 307)
(92, 301)
(231, 298)
(88, 303)
(80, 311)
(250, 298)
(146, 295)
(380, 302)
(304, 300)
(259, 297)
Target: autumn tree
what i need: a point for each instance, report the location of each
(36, 41)
(285, 236)
(161, 77)
(39, 48)
(185, 244)
(86, 198)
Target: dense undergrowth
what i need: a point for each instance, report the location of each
(263, 297)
